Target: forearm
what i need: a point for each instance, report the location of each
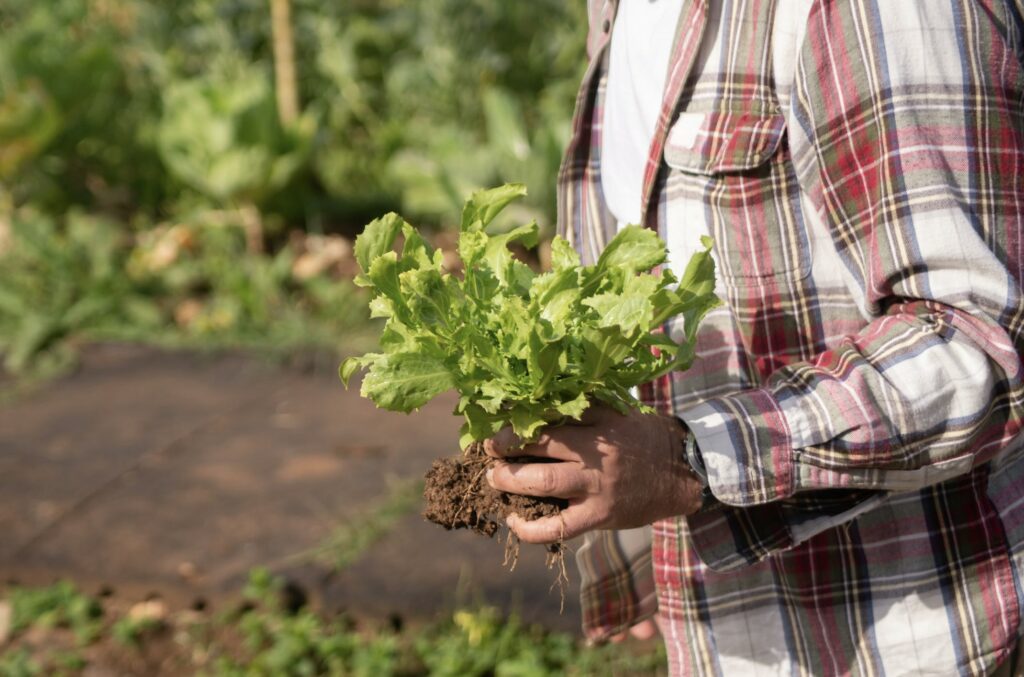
(924, 393)
(914, 184)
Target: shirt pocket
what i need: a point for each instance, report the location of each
(730, 176)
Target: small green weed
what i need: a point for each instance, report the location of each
(58, 606)
(19, 663)
(130, 631)
(347, 542)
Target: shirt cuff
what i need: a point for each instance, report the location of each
(745, 447)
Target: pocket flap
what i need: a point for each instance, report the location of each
(717, 143)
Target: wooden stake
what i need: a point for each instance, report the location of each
(286, 86)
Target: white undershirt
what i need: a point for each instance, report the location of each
(641, 46)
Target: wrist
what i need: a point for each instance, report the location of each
(686, 494)
(695, 462)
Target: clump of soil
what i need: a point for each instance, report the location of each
(458, 496)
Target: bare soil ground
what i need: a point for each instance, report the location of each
(173, 474)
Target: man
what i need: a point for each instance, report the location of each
(844, 494)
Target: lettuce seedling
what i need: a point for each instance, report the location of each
(522, 349)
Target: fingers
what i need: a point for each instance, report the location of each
(504, 443)
(644, 630)
(568, 524)
(558, 443)
(562, 480)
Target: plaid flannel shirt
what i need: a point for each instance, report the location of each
(858, 398)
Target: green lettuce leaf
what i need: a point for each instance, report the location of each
(406, 381)
(521, 349)
(377, 238)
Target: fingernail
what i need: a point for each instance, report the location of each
(490, 476)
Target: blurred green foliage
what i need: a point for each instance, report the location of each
(61, 605)
(264, 637)
(61, 277)
(120, 119)
(220, 135)
(86, 277)
(472, 642)
(79, 68)
(140, 106)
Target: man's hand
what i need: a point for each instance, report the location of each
(617, 472)
(644, 630)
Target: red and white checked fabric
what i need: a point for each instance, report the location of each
(858, 399)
